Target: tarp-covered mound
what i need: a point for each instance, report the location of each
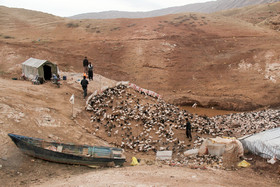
(265, 144)
(221, 145)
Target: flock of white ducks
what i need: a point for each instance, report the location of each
(133, 120)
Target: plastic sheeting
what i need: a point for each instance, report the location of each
(265, 144)
(142, 90)
(230, 144)
(218, 146)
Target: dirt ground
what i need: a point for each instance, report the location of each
(27, 109)
(162, 176)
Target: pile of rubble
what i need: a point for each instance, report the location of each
(133, 120)
(197, 162)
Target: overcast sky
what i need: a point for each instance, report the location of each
(65, 8)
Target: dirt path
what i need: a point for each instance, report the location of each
(162, 176)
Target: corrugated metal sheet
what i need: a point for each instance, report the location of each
(33, 62)
(265, 144)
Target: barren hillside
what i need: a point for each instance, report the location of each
(206, 7)
(265, 16)
(210, 59)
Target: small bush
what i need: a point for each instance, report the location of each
(115, 29)
(72, 25)
(8, 37)
(131, 25)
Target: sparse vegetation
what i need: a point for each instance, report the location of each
(72, 25)
(193, 16)
(9, 37)
(131, 25)
(180, 20)
(115, 29)
(94, 29)
(180, 17)
(6, 36)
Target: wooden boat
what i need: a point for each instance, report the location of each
(69, 153)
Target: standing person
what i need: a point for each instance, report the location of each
(188, 129)
(84, 84)
(85, 65)
(90, 71)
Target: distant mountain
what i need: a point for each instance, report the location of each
(208, 7)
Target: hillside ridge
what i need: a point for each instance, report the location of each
(207, 7)
(225, 60)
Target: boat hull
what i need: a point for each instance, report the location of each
(30, 147)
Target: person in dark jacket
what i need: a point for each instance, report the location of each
(85, 65)
(84, 84)
(90, 71)
(188, 129)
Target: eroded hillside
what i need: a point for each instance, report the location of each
(214, 60)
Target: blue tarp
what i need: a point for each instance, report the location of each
(265, 144)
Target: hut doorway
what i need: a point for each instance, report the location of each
(47, 72)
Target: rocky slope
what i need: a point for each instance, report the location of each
(214, 60)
